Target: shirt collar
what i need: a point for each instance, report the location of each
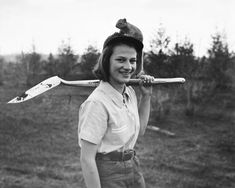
(115, 96)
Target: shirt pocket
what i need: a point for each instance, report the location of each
(121, 129)
(120, 134)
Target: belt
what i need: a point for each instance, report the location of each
(116, 155)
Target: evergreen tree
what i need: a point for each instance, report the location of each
(219, 60)
(183, 64)
(88, 60)
(66, 60)
(50, 66)
(156, 60)
(183, 60)
(33, 66)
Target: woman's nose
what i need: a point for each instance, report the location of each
(127, 65)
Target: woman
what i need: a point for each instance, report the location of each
(110, 119)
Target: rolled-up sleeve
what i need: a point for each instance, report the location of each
(92, 124)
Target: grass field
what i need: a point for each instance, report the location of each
(38, 145)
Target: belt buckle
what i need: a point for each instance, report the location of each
(128, 154)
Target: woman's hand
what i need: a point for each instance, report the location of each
(145, 85)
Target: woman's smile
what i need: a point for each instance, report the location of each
(126, 73)
(122, 65)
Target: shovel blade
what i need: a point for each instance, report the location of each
(37, 89)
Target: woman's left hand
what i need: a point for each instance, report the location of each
(145, 85)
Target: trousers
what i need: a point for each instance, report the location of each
(120, 174)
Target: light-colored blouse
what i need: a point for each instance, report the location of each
(109, 119)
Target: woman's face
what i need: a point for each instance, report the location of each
(122, 64)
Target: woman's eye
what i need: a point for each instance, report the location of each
(120, 60)
(132, 61)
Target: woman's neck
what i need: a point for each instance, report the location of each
(119, 87)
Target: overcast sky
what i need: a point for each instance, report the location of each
(46, 23)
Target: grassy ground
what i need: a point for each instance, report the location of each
(38, 146)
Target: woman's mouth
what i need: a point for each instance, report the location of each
(125, 74)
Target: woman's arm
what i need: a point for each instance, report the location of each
(88, 164)
(144, 112)
(145, 101)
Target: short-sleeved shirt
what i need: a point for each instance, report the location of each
(109, 119)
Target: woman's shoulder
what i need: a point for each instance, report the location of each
(96, 97)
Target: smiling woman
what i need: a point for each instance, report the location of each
(122, 65)
(111, 119)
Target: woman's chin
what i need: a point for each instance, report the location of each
(126, 79)
(123, 81)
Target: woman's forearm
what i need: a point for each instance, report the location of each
(90, 173)
(144, 112)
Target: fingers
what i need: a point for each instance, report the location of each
(145, 85)
(146, 79)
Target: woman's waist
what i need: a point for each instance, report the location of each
(117, 155)
(108, 145)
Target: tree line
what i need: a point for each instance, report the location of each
(204, 75)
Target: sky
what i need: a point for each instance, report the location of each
(46, 24)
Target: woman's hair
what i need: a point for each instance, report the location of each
(101, 69)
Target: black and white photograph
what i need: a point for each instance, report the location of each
(117, 94)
